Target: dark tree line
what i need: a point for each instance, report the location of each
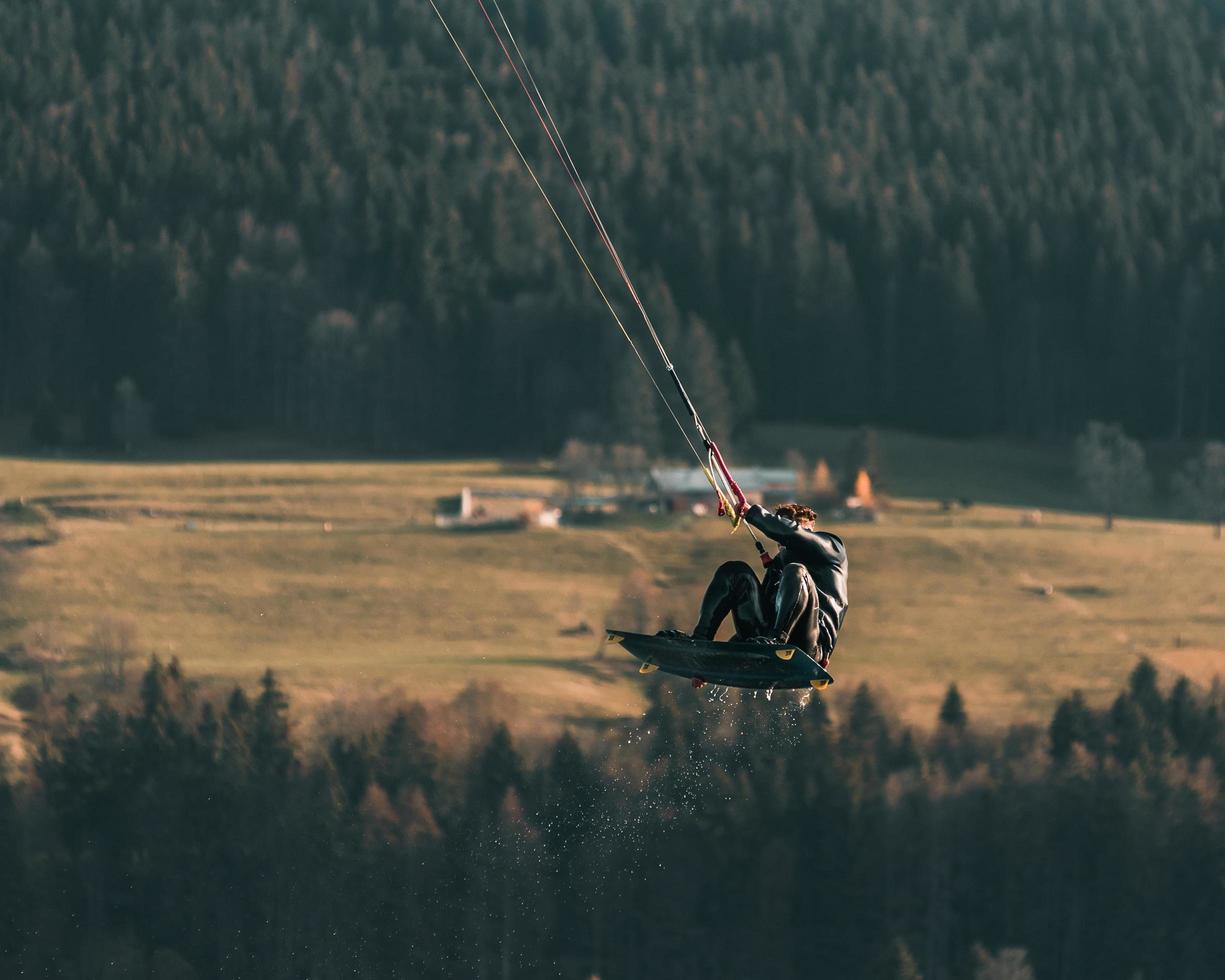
(175, 837)
(970, 216)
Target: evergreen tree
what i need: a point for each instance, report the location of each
(1186, 720)
(271, 751)
(1142, 686)
(573, 795)
(350, 759)
(866, 729)
(952, 710)
(407, 755)
(705, 382)
(1126, 729)
(46, 428)
(635, 407)
(235, 730)
(870, 207)
(497, 770)
(15, 909)
(1073, 723)
(665, 741)
(134, 823)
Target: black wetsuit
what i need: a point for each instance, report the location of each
(803, 599)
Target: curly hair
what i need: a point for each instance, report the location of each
(802, 515)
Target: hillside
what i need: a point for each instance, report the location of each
(331, 573)
(966, 217)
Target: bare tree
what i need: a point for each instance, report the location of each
(1200, 486)
(795, 461)
(579, 463)
(1111, 468)
(131, 416)
(862, 453)
(45, 648)
(822, 488)
(629, 465)
(111, 647)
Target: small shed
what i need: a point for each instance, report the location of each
(494, 508)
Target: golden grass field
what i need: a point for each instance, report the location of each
(228, 566)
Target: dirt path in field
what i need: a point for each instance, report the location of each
(630, 548)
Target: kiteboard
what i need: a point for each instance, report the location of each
(730, 664)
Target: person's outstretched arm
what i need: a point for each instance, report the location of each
(789, 534)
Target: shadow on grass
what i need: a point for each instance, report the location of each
(16, 545)
(1085, 591)
(604, 671)
(1074, 591)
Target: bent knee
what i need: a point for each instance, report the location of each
(736, 569)
(795, 572)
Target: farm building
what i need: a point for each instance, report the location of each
(492, 509)
(686, 489)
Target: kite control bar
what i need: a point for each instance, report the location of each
(735, 505)
(727, 508)
(714, 459)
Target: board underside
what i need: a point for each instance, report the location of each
(750, 665)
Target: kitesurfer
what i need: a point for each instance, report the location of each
(803, 598)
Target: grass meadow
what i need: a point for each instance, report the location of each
(331, 573)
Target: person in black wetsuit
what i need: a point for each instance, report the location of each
(803, 599)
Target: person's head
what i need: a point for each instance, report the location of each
(804, 516)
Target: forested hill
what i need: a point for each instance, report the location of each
(972, 215)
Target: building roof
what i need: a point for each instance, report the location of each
(752, 479)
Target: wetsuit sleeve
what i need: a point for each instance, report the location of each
(790, 534)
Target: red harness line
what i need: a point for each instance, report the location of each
(741, 503)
